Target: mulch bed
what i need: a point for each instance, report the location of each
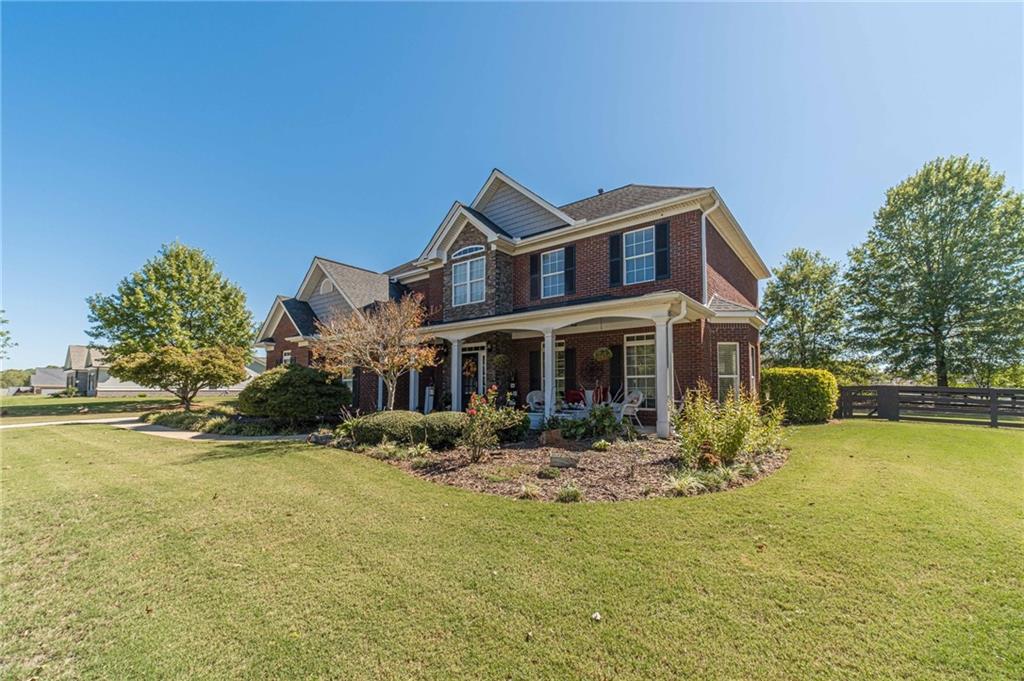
(628, 470)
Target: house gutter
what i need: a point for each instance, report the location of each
(704, 251)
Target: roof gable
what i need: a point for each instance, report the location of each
(518, 210)
(76, 357)
(457, 218)
(357, 286)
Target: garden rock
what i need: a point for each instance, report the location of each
(320, 438)
(564, 460)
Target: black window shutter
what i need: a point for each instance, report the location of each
(615, 260)
(570, 270)
(356, 374)
(570, 368)
(535, 276)
(617, 367)
(661, 262)
(534, 369)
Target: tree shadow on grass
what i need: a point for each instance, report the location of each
(247, 450)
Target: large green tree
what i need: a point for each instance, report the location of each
(176, 324)
(804, 308)
(938, 286)
(5, 338)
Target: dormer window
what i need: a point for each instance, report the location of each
(466, 251)
(468, 282)
(326, 286)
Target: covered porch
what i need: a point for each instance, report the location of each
(551, 350)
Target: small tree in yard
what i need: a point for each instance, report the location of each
(385, 339)
(177, 324)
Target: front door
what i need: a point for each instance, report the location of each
(474, 371)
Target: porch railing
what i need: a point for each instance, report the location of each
(992, 406)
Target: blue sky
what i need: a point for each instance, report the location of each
(269, 133)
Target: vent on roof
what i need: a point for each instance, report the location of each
(600, 190)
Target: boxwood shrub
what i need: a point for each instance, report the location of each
(402, 427)
(442, 429)
(293, 393)
(809, 395)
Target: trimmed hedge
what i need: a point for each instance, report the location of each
(809, 395)
(443, 429)
(400, 427)
(294, 393)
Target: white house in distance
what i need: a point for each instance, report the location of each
(48, 380)
(86, 371)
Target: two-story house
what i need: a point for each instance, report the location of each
(522, 293)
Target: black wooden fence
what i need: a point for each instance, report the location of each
(994, 406)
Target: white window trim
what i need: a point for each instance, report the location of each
(718, 351)
(753, 364)
(286, 357)
(634, 340)
(326, 286)
(467, 251)
(469, 282)
(560, 273)
(559, 348)
(637, 257)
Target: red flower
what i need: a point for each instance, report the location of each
(471, 412)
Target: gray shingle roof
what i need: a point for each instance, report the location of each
(624, 198)
(76, 356)
(361, 286)
(721, 305)
(48, 377)
(302, 314)
(487, 221)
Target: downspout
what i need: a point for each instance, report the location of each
(704, 252)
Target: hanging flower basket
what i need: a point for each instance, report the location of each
(603, 354)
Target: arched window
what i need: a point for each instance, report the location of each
(467, 250)
(325, 286)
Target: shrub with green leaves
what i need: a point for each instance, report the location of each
(712, 433)
(569, 494)
(442, 429)
(402, 427)
(294, 393)
(808, 395)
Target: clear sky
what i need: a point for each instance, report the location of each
(270, 133)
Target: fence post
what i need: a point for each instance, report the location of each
(888, 402)
(993, 408)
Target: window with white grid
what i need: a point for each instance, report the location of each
(468, 282)
(638, 255)
(641, 367)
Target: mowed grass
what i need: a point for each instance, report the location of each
(881, 550)
(42, 408)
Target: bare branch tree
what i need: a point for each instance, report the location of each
(387, 340)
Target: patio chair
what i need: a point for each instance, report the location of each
(535, 400)
(629, 407)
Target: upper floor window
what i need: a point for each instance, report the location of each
(467, 250)
(326, 286)
(286, 357)
(552, 273)
(638, 255)
(468, 282)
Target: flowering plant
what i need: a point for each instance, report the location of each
(481, 431)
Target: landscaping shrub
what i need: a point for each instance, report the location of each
(442, 429)
(601, 446)
(529, 491)
(548, 473)
(481, 431)
(600, 422)
(712, 434)
(294, 393)
(402, 427)
(684, 484)
(809, 395)
(569, 494)
(512, 424)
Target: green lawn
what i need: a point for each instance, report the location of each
(36, 408)
(881, 550)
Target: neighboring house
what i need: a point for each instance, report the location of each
(87, 371)
(48, 380)
(663, 277)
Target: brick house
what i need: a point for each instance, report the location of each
(523, 292)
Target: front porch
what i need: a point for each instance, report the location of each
(552, 352)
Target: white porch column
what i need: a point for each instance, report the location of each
(549, 372)
(414, 390)
(661, 377)
(380, 393)
(455, 359)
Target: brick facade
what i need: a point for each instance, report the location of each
(728, 277)
(285, 329)
(497, 279)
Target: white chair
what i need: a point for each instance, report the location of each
(629, 407)
(535, 400)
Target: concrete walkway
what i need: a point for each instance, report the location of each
(160, 431)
